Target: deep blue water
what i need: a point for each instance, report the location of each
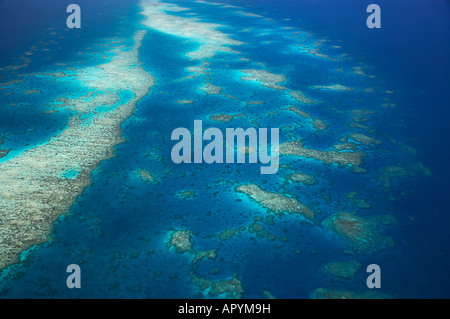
(118, 228)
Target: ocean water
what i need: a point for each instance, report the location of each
(375, 95)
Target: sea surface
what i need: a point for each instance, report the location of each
(365, 110)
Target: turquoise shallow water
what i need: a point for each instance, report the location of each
(118, 230)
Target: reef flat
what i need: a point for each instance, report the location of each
(33, 189)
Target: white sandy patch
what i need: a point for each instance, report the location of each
(211, 40)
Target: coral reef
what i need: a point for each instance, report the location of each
(361, 232)
(32, 190)
(211, 40)
(346, 269)
(267, 79)
(181, 241)
(302, 178)
(353, 159)
(322, 293)
(146, 176)
(225, 118)
(228, 288)
(275, 202)
(334, 87)
(301, 97)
